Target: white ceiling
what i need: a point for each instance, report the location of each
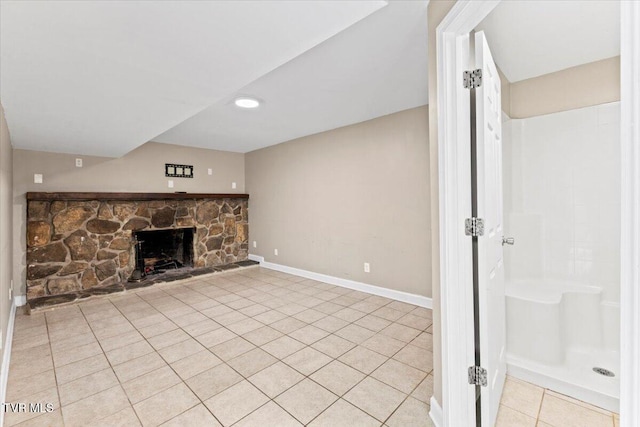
(101, 78)
(373, 68)
(532, 38)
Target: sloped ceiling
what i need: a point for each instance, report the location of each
(376, 67)
(101, 78)
(529, 38)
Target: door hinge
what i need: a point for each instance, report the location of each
(474, 227)
(472, 79)
(477, 376)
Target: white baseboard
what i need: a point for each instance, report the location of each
(418, 300)
(435, 412)
(6, 358)
(20, 300)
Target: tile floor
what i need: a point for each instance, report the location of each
(527, 405)
(253, 347)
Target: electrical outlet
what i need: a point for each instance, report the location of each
(233, 185)
(275, 252)
(367, 267)
(255, 244)
(78, 163)
(210, 171)
(37, 178)
(170, 183)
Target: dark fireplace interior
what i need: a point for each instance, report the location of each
(160, 250)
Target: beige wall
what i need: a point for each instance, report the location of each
(330, 202)
(141, 170)
(6, 209)
(577, 87)
(436, 11)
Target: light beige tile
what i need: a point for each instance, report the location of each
(424, 391)
(384, 345)
(388, 313)
(124, 418)
(252, 362)
(309, 334)
(236, 402)
(424, 340)
(232, 348)
(354, 333)
(363, 359)
(269, 317)
(310, 315)
(400, 332)
(522, 397)
(86, 386)
(288, 325)
(213, 381)
(412, 413)
(58, 346)
(147, 385)
(307, 360)
(375, 398)
(215, 337)
(330, 323)
(67, 373)
(365, 306)
(574, 401)
(202, 327)
(268, 415)
(401, 306)
(181, 350)
(373, 323)
(399, 376)
(349, 314)
(333, 346)
(157, 328)
(168, 338)
(195, 364)
(559, 412)
(95, 407)
(196, 416)
(337, 377)
(253, 310)
(44, 397)
(328, 307)
(306, 400)
(121, 340)
(82, 352)
(49, 419)
(415, 322)
(189, 319)
(245, 326)
(165, 405)
(282, 347)
(23, 387)
(508, 417)
(140, 366)
(132, 351)
(230, 318)
(262, 335)
(416, 357)
(275, 379)
(342, 413)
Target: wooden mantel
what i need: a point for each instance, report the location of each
(130, 196)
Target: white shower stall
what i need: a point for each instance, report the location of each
(562, 206)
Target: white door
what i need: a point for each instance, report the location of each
(490, 260)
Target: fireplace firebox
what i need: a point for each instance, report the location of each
(160, 250)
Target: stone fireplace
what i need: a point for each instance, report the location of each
(81, 241)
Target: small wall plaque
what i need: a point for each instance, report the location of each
(178, 171)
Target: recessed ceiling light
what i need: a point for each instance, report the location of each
(246, 102)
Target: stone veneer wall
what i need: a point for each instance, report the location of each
(74, 245)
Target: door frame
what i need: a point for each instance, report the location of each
(456, 297)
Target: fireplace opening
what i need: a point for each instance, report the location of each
(160, 250)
